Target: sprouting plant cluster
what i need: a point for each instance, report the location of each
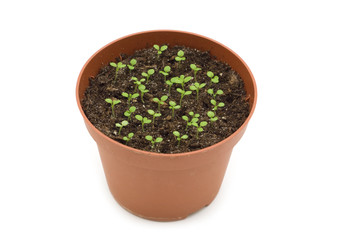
(184, 84)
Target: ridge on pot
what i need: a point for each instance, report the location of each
(155, 186)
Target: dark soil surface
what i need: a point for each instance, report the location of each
(230, 117)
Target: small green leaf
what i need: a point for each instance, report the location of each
(132, 109)
(151, 71)
(164, 47)
(151, 112)
(118, 125)
(213, 102)
(113, 64)
(187, 93)
(130, 135)
(159, 139)
(139, 117)
(179, 90)
(180, 53)
(149, 138)
(221, 104)
(156, 47)
(108, 100)
(156, 100)
(193, 66)
(157, 114)
(164, 98)
(169, 82)
(219, 92)
(167, 69)
(193, 88)
(172, 103)
(117, 101)
(144, 74)
(124, 123)
(146, 120)
(124, 94)
(203, 124)
(135, 95)
(210, 74)
(191, 113)
(177, 107)
(211, 114)
(202, 85)
(210, 91)
(176, 133)
(133, 61)
(141, 87)
(185, 118)
(184, 137)
(125, 139)
(177, 59)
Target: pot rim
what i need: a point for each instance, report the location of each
(139, 151)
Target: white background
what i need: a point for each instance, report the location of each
(282, 180)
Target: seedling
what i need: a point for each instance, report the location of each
(213, 78)
(173, 106)
(151, 139)
(118, 66)
(143, 120)
(143, 90)
(216, 105)
(130, 96)
(197, 87)
(182, 80)
(166, 71)
(160, 49)
(137, 82)
(132, 64)
(129, 112)
(195, 69)
(179, 137)
(160, 101)
(214, 94)
(154, 114)
(170, 83)
(183, 93)
(180, 57)
(112, 103)
(194, 119)
(121, 125)
(148, 74)
(199, 126)
(128, 137)
(212, 117)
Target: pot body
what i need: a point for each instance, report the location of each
(164, 187)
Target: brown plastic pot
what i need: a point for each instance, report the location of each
(164, 187)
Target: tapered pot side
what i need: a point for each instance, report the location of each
(158, 186)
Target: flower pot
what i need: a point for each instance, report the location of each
(164, 187)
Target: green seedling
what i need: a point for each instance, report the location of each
(199, 126)
(160, 49)
(143, 90)
(195, 69)
(154, 114)
(148, 74)
(129, 112)
(183, 93)
(121, 125)
(137, 82)
(179, 137)
(197, 87)
(216, 105)
(212, 117)
(173, 106)
(153, 141)
(160, 101)
(194, 119)
(143, 120)
(112, 103)
(214, 94)
(213, 78)
(130, 96)
(170, 83)
(128, 137)
(118, 66)
(180, 57)
(182, 80)
(132, 64)
(166, 71)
